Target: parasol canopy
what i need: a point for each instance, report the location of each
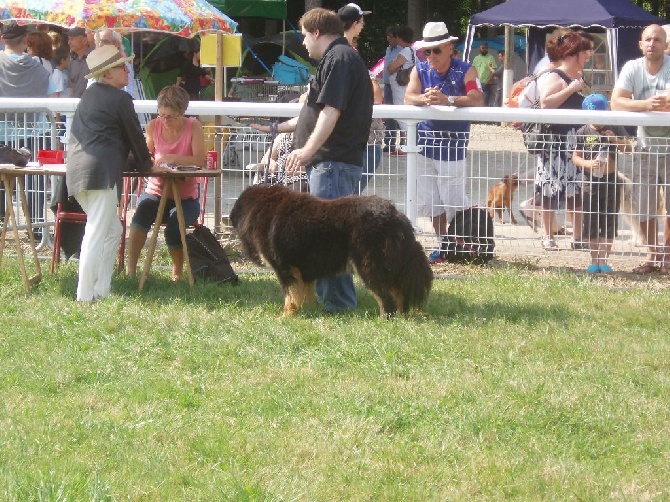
(181, 17)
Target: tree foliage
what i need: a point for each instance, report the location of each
(455, 13)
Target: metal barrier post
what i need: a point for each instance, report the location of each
(217, 186)
(412, 150)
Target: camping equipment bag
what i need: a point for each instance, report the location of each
(469, 237)
(402, 75)
(207, 257)
(288, 71)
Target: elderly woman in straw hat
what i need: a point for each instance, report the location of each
(105, 130)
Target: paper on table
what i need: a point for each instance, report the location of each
(177, 167)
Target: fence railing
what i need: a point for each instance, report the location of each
(494, 150)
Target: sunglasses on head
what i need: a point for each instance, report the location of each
(437, 51)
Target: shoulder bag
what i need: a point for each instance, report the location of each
(402, 75)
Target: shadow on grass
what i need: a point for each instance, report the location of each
(262, 290)
(448, 305)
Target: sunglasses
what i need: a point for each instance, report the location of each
(437, 51)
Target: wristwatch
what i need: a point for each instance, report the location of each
(451, 100)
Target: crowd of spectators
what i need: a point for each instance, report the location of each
(55, 63)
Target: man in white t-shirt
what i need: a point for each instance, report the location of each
(639, 88)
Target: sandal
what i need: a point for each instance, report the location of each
(549, 244)
(645, 268)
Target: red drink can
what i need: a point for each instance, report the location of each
(212, 160)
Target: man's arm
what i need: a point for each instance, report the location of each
(286, 126)
(433, 96)
(474, 96)
(622, 100)
(413, 94)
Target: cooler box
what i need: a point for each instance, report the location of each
(51, 157)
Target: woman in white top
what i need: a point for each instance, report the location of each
(404, 60)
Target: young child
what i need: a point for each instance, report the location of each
(595, 154)
(61, 59)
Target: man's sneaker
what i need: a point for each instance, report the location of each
(435, 257)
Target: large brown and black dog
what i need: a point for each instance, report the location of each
(304, 238)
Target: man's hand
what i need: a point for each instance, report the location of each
(658, 103)
(296, 159)
(434, 96)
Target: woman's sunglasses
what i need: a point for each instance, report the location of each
(437, 51)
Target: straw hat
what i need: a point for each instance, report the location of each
(103, 58)
(434, 34)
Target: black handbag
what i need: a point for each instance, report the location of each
(402, 75)
(536, 136)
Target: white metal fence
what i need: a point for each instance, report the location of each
(493, 151)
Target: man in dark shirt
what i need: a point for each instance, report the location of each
(332, 129)
(190, 74)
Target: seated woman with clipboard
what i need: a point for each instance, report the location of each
(174, 140)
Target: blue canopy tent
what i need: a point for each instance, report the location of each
(619, 19)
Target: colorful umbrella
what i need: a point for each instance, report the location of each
(181, 17)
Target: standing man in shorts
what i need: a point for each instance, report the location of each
(442, 80)
(636, 91)
(332, 129)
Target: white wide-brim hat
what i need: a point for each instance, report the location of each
(434, 34)
(103, 58)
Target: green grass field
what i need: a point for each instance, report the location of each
(513, 384)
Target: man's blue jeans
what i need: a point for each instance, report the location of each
(332, 180)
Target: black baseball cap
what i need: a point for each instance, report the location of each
(352, 12)
(76, 32)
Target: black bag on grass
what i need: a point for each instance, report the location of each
(207, 257)
(469, 237)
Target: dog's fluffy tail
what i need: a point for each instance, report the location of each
(415, 276)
